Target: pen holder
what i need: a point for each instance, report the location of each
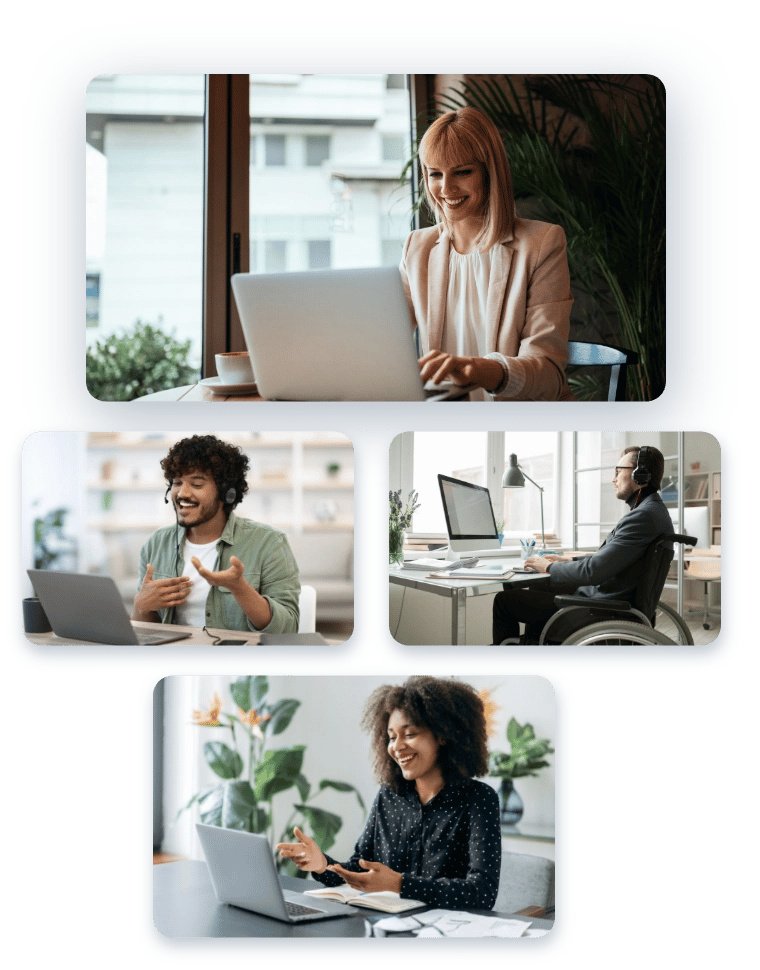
(35, 619)
(528, 547)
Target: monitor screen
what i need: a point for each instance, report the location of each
(468, 510)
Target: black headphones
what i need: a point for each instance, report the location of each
(641, 474)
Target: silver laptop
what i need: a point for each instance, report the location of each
(89, 608)
(243, 873)
(332, 335)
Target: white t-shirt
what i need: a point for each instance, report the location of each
(464, 331)
(193, 611)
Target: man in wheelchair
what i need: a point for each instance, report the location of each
(617, 573)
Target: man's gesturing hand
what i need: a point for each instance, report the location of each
(161, 594)
(229, 578)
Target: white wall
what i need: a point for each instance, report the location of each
(328, 723)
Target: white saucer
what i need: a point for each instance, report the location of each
(214, 384)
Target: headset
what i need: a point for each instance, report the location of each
(641, 474)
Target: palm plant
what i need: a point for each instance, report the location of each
(588, 152)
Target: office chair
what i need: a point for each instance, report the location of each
(526, 885)
(583, 354)
(704, 571)
(595, 620)
(307, 607)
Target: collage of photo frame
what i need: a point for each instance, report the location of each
(470, 347)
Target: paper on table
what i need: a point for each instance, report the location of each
(456, 924)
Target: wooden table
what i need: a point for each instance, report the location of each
(197, 637)
(196, 392)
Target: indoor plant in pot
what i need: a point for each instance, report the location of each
(527, 757)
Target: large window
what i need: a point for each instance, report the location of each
(191, 178)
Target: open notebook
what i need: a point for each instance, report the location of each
(386, 901)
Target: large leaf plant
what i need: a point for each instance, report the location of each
(588, 152)
(243, 799)
(527, 755)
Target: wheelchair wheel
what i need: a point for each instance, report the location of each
(672, 625)
(616, 633)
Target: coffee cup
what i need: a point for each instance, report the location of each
(235, 367)
(35, 618)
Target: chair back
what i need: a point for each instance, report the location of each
(525, 880)
(657, 562)
(307, 606)
(583, 354)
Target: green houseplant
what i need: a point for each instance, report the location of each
(527, 757)
(126, 366)
(399, 519)
(243, 798)
(588, 152)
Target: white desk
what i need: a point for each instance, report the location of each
(457, 592)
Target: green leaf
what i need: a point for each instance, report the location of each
(222, 760)
(278, 771)
(513, 729)
(248, 692)
(341, 786)
(232, 805)
(324, 826)
(197, 797)
(282, 714)
(303, 786)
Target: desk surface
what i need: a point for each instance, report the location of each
(472, 586)
(197, 637)
(184, 905)
(196, 392)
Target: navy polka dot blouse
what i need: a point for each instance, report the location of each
(449, 850)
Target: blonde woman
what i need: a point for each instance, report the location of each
(489, 293)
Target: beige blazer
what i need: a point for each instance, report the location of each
(527, 307)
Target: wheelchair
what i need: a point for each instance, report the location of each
(583, 620)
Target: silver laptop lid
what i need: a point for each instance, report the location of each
(83, 607)
(329, 335)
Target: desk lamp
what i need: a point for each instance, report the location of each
(514, 477)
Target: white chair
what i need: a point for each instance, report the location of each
(704, 568)
(307, 605)
(526, 882)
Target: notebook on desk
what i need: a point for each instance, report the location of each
(89, 608)
(332, 335)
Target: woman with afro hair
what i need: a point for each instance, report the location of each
(433, 832)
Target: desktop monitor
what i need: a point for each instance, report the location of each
(469, 515)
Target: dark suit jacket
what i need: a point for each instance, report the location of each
(615, 569)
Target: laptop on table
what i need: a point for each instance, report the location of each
(332, 335)
(242, 872)
(89, 608)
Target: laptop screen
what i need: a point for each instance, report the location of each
(468, 509)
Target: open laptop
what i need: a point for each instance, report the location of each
(470, 521)
(332, 335)
(243, 873)
(89, 608)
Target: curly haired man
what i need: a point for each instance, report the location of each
(214, 568)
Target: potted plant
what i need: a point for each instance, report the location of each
(242, 799)
(400, 518)
(527, 757)
(333, 469)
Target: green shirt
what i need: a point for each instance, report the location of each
(269, 567)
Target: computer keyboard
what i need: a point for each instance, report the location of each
(296, 909)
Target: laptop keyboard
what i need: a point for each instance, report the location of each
(296, 909)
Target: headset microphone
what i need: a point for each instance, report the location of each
(166, 494)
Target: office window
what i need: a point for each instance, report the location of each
(144, 205)
(317, 149)
(393, 148)
(274, 150)
(537, 457)
(275, 255)
(392, 250)
(461, 455)
(319, 253)
(395, 81)
(93, 299)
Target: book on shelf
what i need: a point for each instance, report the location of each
(386, 901)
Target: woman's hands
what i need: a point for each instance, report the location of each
(378, 878)
(436, 366)
(305, 853)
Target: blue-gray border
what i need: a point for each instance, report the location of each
(699, 336)
(305, 951)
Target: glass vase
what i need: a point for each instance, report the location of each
(510, 804)
(396, 547)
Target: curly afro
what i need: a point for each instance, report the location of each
(226, 464)
(452, 710)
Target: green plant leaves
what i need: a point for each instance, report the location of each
(277, 771)
(232, 805)
(527, 755)
(282, 714)
(248, 692)
(341, 786)
(323, 826)
(222, 760)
